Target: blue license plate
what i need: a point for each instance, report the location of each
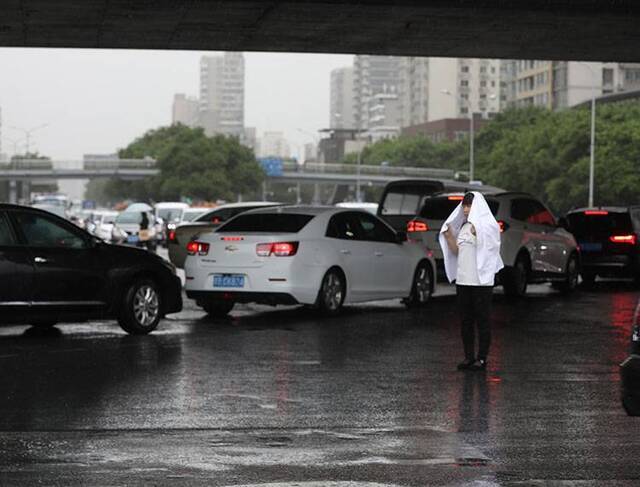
(591, 247)
(228, 280)
(132, 239)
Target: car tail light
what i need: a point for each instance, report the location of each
(279, 249)
(195, 247)
(596, 212)
(417, 226)
(504, 226)
(624, 239)
(172, 236)
(455, 198)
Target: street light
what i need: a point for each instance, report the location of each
(592, 149)
(471, 134)
(27, 133)
(15, 143)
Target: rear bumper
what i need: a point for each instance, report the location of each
(610, 266)
(243, 297)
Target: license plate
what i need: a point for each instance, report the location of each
(132, 239)
(228, 280)
(591, 247)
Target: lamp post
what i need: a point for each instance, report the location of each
(492, 96)
(14, 142)
(592, 148)
(28, 132)
(316, 186)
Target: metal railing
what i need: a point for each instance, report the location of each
(368, 170)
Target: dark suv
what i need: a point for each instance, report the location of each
(52, 271)
(608, 240)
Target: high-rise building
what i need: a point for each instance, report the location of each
(222, 94)
(341, 110)
(385, 117)
(185, 110)
(273, 144)
(443, 88)
(562, 84)
(373, 75)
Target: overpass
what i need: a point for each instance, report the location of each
(598, 30)
(289, 172)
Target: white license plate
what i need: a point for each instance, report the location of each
(228, 280)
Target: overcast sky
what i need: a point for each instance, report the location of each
(98, 101)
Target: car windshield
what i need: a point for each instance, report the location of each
(599, 223)
(439, 208)
(190, 215)
(129, 217)
(169, 214)
(267, 223)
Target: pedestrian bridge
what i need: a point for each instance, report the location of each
(291, 172)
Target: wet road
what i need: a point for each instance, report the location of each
(283, 398)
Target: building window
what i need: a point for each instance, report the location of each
(483, 84)
(607, 76)
(483, 69)
(465, 69)
(464, 82)
(493, 84)
(464, 110)
(493, 70)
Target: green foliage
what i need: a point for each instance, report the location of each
(191, 165)
(539, 151)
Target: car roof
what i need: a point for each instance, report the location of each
(171, 204)
(303, 210)
(244, 204)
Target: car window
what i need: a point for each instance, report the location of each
(40, 231)
(7, 238)
(343, 226)
(599, 224)
(372, 229)
(396, 203)
(531, 211)
(267, 223)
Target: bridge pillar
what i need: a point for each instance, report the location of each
(13, 191)
(317, 198)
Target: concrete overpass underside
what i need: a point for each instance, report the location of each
(604, 30)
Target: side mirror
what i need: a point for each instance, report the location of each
(401, 237)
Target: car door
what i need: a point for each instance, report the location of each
(354, 255)
(16, 275)
(390, 263)
(70, 268)
(538, 236)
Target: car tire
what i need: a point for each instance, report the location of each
(570, 282)
(141, 307)
(516, 278)
(332, 293)
(422, 286)
(218, 309)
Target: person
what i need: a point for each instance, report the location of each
(470, 241)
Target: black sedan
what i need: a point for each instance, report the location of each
(51, 271)
(630, 371)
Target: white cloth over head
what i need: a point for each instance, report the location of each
(487, 230)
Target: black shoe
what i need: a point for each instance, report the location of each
(466, 364)
(480, 364)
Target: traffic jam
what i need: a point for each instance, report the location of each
(106, 264)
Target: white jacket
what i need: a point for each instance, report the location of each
(488, 240)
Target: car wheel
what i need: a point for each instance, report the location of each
(332, 293)
(140, 311)
(515, 282)
(218, 309)
(570, 282)
(422, 286)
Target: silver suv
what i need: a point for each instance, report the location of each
(535, 248)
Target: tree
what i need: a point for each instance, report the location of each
(191, 165)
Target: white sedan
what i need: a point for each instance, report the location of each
(318, 256)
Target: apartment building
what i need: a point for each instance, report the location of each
(185, 110)
(222, 90)
(341, 98)
(373, 75)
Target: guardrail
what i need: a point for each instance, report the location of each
(363, 169)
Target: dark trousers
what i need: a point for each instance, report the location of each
(474, 303)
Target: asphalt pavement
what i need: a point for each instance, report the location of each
(282, 397)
